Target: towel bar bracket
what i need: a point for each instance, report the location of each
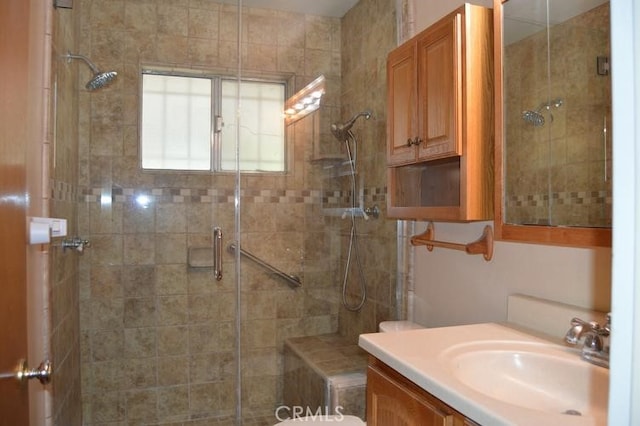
(483, 245)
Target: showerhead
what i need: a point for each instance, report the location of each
(100, 79)
(342, 131)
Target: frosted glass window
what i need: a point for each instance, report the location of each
(261, 142)
(178, 118)
(176, 122)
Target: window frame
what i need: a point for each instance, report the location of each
(216, 77)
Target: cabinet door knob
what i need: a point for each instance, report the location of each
(416, 141)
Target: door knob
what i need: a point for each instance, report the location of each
(22, 373)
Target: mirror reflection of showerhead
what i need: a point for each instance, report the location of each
(533, 117)
(342, 131)
(100, 79)
(536, 118)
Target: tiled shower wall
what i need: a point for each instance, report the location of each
(570, 153)
(63, 270)
(368, 35)
(158, 335)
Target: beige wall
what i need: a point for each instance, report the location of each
(452, 287)
(455, 288)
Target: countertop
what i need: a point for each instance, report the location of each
(424, 357)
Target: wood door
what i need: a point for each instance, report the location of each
(14, 103)
(440, 90)
(401, 101)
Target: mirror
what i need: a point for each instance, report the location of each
(553, 121)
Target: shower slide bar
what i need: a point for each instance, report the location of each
(292, 280)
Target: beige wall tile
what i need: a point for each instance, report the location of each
(139, 312)
(173, 20)
(139, 342)
(173, 401)
(139, 249)
(142, 405)
(173, 370)
(140, 17)
(173, 310)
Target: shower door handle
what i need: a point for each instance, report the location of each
(217, 253)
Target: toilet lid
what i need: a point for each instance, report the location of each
(335, 420)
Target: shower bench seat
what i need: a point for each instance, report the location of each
(325, 372)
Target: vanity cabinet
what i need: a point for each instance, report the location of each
(440, 120)
(393, 400)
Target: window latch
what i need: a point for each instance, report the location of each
(219, 123)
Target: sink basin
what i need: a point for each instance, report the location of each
(542, 377)
(498, 375)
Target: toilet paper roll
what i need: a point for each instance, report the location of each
(39, 233)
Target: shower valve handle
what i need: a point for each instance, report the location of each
(416, 141)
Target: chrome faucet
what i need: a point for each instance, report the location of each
(595, 348)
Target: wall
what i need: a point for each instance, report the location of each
(368, 35)
(63, 271)
(158, 336)
(452, 287)
(427, 12)
(455, 288)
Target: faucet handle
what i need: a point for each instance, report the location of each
(589, 326)
(593, 342)
(575, 332)
(577, 321)
(580, 327)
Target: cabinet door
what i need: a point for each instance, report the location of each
(391, 404)
(440, 90)
(401, 101)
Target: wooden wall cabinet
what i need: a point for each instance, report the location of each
(440, 120)
(393, 400)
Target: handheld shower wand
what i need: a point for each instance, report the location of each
(342, 131)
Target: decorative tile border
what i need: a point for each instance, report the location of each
(63, 191)
(188, 195)
(561, 198)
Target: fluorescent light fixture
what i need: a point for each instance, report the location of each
(305, 101)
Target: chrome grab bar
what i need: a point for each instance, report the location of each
(292, 280)
(217, 253)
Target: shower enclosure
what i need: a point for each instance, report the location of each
(161, 339)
